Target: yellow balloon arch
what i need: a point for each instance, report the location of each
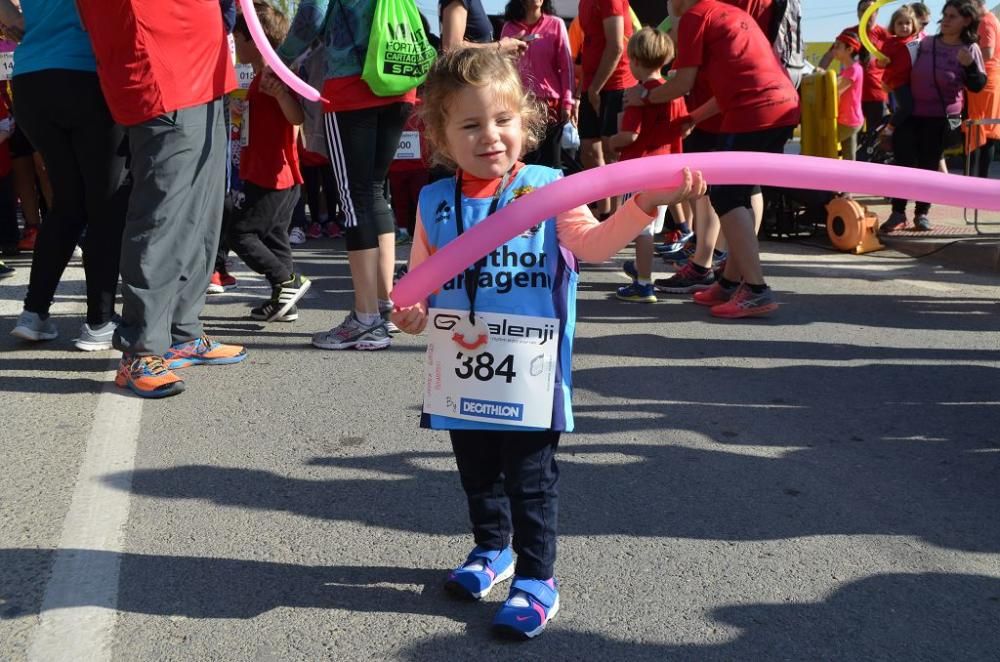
(863, 29)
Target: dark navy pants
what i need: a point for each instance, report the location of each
(511, 481)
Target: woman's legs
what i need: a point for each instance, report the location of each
(367, 140)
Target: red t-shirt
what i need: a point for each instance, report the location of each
(658, 132)
(352, 93)
(310, 159)
(6, 124)
(733, 54)
(592, 16)
(897, 72)
(270, 158)
(761, 10)
(872, 88)
(157, 57)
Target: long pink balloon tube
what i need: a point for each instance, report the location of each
(658, 172)
(286, 75)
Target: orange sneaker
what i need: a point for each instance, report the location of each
(27, 242)
(147, 377)
(202, 351)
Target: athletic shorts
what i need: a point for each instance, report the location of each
(727, 198)
(595, 125)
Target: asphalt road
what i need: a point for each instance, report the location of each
(821, 485)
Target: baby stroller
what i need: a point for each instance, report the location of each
(871, 149)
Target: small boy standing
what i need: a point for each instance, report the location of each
(269, 169)
(648, 130)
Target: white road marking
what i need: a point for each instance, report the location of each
(78, 612)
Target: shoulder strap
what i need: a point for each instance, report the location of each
(350, 31)
(944, 107)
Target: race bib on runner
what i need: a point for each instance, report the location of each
(409, 146)
(502, 370)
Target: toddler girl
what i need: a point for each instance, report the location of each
(500, 335)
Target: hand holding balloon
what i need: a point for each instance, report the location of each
(299, 86)
(411, 319)
(692, 187)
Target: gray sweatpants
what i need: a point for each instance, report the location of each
(172, 227)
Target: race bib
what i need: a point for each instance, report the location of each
(500, 370)
(409, 146)
(244, 75)
(6, 66)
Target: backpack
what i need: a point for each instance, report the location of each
(786, 35)
(399, 52)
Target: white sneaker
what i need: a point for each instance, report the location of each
(95, 339)
(30, 326)
(296, 237)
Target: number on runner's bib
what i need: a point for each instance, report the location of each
(501, 370)
(409, 146)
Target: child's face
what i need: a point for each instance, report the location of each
(246, 50)
(904, 27)
(483, 133)
(841, 51)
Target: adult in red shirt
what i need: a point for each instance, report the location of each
(873, 95)
(164, 67)
(607, 27)
(759, 107)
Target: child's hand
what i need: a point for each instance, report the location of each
(965, 57)
(271, 85)
(411, 319)
(694, 187)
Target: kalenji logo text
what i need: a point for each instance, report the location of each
(508, 411)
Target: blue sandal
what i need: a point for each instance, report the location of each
(532, 603)
(482, 570)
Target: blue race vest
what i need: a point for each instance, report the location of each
(529, 275)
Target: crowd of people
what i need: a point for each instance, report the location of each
(136, 147)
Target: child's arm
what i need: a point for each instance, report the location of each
(413, 319)
(271, 85)
(623, 139)
(310, 18)
(591, 241)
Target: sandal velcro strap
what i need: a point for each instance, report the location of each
(488, 555)
(537, 589)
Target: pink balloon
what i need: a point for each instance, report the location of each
(657, 172)
(298, 85)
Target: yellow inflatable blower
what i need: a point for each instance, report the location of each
(819, 115)
(851, 227)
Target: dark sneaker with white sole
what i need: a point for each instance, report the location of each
(285, 295)
(265, 312)
(685, 280)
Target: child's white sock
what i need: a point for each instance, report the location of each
(368, 319)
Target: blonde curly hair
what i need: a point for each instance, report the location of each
(477, 67)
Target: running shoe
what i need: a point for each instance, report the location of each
(390, 326)
(483, 569)
(896, 221)
(296, 236)
(96, 338)
(679, 256)
(287, 295)
(202, 351)
(745, 303)
(31, 326)
(5, 271)
(265, 311)
(147, 377)
(532, 603)
(221, 282)
(716, 294)
(628, 266)
(403, 238)
(332, 230)
(637, 293)
(921, 223)
(685, 280)
(314, 231)
(28, 238)
(352, 334)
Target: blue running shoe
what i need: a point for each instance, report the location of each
(637, 293)
(482, 570)
(679, 256)
(629, 268)
(532, 603)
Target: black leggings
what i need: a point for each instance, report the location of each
(983, 157)
(362, 144)
(85, 153)
(918, 143)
